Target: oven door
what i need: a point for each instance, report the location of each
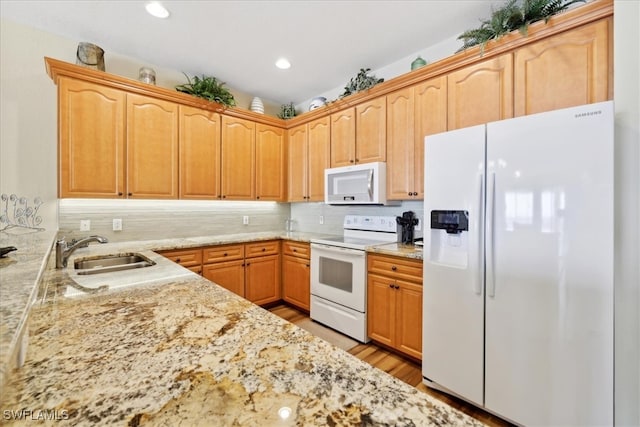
(339, 275)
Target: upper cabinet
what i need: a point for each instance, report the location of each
(238, 159)
(199, 153)
(91, 138)
(480, 93)
(412, 114)
(152, 148)
(253, 161)
(371, 120)
(358, 134)
(270, 163)
(573, 68)
(309, 156)
(343, 138)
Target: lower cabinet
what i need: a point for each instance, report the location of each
(188, 258)
(296, 274)
(250, 270)
(394, 303)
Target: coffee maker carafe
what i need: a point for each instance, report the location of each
(406, 224)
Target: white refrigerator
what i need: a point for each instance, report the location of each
(518, 266)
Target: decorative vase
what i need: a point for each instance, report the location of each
(147, 75)
(90, 55)
(257, 106)
(317, 102)
(417, 63)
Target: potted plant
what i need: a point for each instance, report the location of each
(361, 81)
(514, 15)
(287, 111)
(208, 88)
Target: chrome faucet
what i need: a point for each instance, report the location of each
(64, 249)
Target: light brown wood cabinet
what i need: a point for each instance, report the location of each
(569, 69)
(358, 134)
(188, 258)
(251, 270)
(224, 265)
(296, 274)
(238, 159)
(309, 156)
(270, 163)
(371, 131)
(343, 138)
(412, 114)
(253, 161)
(394, 303)
(91, 126)
(199, 154)
(152, 148)
(262, 272)
(480, 93)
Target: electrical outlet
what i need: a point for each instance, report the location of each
(321, 219)
(418, 226)
(117, 224)
(245, 220)
(85, 225)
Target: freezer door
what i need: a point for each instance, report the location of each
(549, 258)
(453, 290)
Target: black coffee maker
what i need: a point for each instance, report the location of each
(406, 224)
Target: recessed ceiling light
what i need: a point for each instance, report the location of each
(157, 10)
(283, 63)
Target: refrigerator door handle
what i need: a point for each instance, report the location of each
(491, 235)
(480, 275)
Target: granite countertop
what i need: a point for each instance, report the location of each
(398, 249)
(189, 352)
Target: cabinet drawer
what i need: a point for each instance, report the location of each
(222, 253)
(296, 249)
(184, 257)
(271, 247)
(396, 267)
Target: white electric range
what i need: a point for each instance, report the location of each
(339, 273)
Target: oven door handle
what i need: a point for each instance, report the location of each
(336, 249)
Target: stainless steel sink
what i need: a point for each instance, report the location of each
(110, 263)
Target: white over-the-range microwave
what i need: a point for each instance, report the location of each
(363, 184)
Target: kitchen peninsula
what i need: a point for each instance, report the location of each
(184, 350)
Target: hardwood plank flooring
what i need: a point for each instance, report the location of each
(404, 369)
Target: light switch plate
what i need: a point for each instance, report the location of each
(245, 219)
(117, 224)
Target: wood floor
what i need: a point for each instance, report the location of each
(398, 366)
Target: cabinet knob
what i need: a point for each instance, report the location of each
(351, 161)
(391, 285)
(397, 286)
(357, 160)
(120, 193)
(178, 260)
(130, 194)
(264, 249)
(295, 250)
(307, 265)
(258, 197)
(224, 197)
(394, 268)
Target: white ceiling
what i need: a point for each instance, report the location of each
(327, 42)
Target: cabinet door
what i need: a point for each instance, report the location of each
(381, 303)
(91, 140)
(565, 70)
(371, 131)
(409, 318)
(199, 153)
(318, 157)
(270, 163)
(400, 145)
(262, 277)
(297, 164)
(152, 148)
(296, 281)
(430, 118)
(229, 275)
(343, 137)
(238, 159)
(480, 93)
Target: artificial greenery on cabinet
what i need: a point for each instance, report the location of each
(209, 88)
(360, 82)
(513, 15)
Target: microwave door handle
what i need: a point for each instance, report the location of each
(370, 185)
